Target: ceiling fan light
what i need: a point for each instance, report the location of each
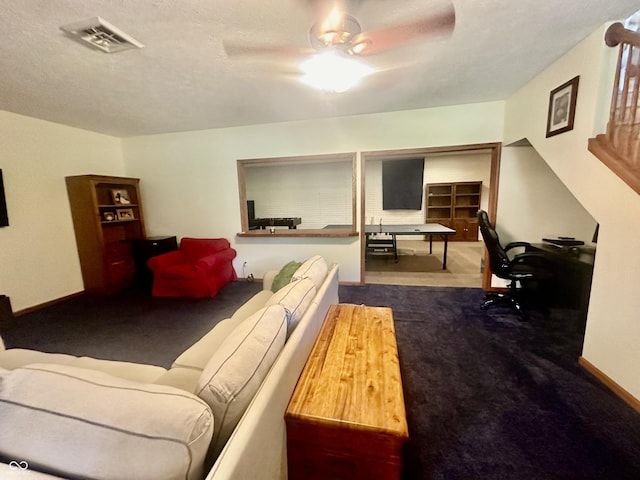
(358, 48)
(338, 29)
(328, 38)
(333, 71)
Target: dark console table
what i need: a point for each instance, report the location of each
(144, 249)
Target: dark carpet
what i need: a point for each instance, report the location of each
(132, 326)
(491, 397)
(487, 396)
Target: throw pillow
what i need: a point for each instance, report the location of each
(82, 423)
(295, 298)
(314, 268)
(284, 275)
(236, 370)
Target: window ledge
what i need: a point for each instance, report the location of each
(303, 232)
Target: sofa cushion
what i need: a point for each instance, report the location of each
(200, 352)
(283, 277)
(19, 470)
(295, 298)
(135, 372)
(19, 357)
(314, 268)
(236, 370)
(183, 378)
(197, 355)
(251, 306)
(81, 423)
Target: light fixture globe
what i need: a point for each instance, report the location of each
(333, 70)
(337, 30)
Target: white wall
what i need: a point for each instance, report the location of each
(613, 330)
(530, 186)
(536, 204)
(38, 256)
(190, 185)
(319, 193)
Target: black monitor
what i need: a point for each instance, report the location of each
(251, 210)
(251, 214)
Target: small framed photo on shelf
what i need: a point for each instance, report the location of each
(125, 214)
(109, 216)
(562, 107)
(120, 197)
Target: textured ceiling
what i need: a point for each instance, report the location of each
(182, 80)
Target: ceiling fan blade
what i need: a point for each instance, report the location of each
(233, 49)
(321, 8)
(377, 41)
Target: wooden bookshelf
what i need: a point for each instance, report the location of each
(107, 218)
(455, 205)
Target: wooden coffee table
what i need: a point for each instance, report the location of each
(346, 418)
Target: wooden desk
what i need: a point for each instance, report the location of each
(573, 269)
(346, 418)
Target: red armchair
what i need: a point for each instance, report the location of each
(199, 268)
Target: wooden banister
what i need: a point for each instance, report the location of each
(617, 34)
(619, 147)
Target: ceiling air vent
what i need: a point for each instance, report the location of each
(101, 34)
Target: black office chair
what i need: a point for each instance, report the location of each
(526, 268)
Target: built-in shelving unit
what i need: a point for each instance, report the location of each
(455, 205)
(439, 202)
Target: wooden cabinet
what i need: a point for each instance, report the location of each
(455, 205)
(346, 418)
(107, 218)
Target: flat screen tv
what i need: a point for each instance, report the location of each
(4, 217)
(402, 184)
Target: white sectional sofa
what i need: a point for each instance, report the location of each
(217, 413)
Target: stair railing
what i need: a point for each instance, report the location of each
(624, 121)
(619, 147)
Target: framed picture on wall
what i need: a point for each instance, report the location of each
(562, 107)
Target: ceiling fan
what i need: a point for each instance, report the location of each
(336, 34)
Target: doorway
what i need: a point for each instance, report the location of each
(415, 266)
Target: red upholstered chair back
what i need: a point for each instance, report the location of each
(196, 248)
